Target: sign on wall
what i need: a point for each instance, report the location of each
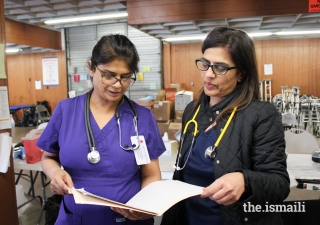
(314, 5)
(50, 73)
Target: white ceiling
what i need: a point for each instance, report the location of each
(37, 11)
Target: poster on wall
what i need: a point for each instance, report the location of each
(50, 73)
(4, 109)
(2, 64)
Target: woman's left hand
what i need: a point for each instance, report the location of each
(132, 215)
(227, 189)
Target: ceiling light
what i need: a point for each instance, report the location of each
(297, 32)
(202, 37)
(259, 34)
(185, 38)
(12, 50)
(86, 18)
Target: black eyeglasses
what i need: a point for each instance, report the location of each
(111, 80)
(216, 68)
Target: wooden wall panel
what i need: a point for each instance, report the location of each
(24, 70)
(154, 11)
(295, 63)
(8, 202)
(26, 34)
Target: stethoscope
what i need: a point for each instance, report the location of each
(94, 155)
(210, 152)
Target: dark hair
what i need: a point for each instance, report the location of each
(115, 46)
(242, 52)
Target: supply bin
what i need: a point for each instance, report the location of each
(33, 152)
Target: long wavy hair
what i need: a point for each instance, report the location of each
(242, 52)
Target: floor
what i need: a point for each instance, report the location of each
(30, 212)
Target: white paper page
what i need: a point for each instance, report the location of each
(157, 197)
(38, 84)
(5, 150)
(4, 109)
(268, 69)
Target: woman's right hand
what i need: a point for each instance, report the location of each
(60, 179)
(61, 182)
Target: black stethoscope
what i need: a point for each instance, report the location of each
(210, 152)
(94, 155)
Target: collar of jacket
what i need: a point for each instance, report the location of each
(220, 105)
(205, 117)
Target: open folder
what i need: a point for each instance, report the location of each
(154, 199)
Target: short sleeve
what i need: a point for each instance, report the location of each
(151, 133)
(49, 139)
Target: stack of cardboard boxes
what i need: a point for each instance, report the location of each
(168, 108)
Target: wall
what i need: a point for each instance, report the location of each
(295, 63)
(154, 11)
(24, 70)
(81, 40)
(26, 34)
(8, 202)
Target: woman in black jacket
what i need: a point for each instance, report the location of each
(238, 151)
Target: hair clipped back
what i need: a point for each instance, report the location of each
(115, 46)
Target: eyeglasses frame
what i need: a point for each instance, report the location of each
(211, 66)
(117, 79)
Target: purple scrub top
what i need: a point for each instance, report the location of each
(116, 176)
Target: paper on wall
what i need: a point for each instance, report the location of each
(5, 150)
(4, 109)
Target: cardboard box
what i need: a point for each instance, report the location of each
(161, 95)
(163, 126)
(171, 147)
(172, 90)
(177, 87)
(163, 110)
(182, 99)
(178, 114)
(173, 129)
(145, 103)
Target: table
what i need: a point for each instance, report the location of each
(166, 163)
(296, 162)
(23, 165)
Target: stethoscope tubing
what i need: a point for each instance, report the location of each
(94, 156)
(213, 149)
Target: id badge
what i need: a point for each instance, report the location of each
(141, 154)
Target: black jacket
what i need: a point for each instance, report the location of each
(254, 145)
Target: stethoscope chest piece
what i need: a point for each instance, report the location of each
(210, 152)
(93, 156)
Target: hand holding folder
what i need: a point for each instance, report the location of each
(154, 199)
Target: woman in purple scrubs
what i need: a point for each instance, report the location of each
(116, 175)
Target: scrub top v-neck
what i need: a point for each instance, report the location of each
(200, 171)
(116, 176)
